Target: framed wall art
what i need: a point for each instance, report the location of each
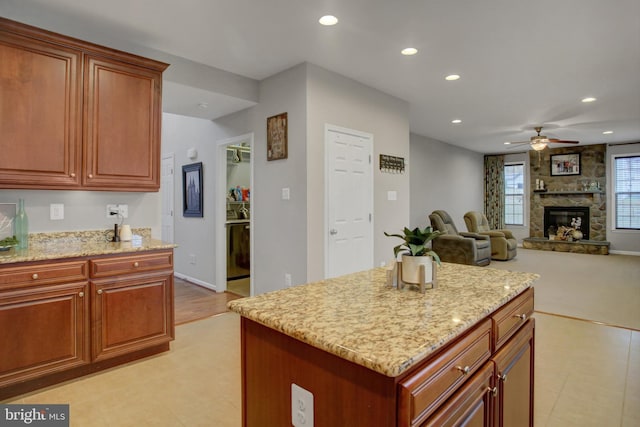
(565, 164)
(192, 191)
(277, 137)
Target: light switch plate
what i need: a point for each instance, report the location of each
(392, 195)
(286, 194)
(56, 211)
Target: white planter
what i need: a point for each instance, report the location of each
(411, 269)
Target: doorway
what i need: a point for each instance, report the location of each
(348, 201)
(234, 215)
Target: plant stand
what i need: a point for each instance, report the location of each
(423, 279)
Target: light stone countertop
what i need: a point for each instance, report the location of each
(58, 245)
(360, 318)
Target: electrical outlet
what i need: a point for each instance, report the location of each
(301, 406)
(286, 194)
(287, 280)
(192, 259)
(114, 210)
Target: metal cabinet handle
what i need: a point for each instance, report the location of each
(99, 292)
(90, 175)
(73, 174)
(135, 264)
(34, 276)
(503, 378)
(333, 231)
(81, 294)
(494, 391)
(464, 370)
(521, 316)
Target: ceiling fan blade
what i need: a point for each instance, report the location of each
(562, 141)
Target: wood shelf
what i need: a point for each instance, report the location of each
(563, 193)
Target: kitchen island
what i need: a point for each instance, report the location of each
(74, 303)
(373, 355)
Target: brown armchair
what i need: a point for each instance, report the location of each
(458, 247)
(503, 244)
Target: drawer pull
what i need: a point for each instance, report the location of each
(81, 294)
(503, 378)
(493, 391)
(99, 291)
(464, 370)
(90, 175)
(73, 175)
(34, 276)
(521, 316)
(135, 264)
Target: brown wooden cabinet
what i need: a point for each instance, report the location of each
(62, 319)
(76, 115)
(482, 378)
(514, 370)
(44, 313)
(130, 313)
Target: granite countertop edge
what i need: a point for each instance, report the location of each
(420, 323)
(61, 245)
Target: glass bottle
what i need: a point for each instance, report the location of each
(22, 226)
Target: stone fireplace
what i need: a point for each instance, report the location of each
(573, 194)
(558, 216)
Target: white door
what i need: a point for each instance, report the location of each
(166, 185)
(349, 201)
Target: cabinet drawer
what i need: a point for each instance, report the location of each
(423, 392)
(126, 264)
(42, 274)
(508, 319)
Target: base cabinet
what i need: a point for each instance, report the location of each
(131, 313)
(514, 366)
(44, 330)
(63, 319)
(481, 379)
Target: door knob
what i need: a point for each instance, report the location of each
(333, 231)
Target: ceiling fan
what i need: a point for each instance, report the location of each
(540, 142)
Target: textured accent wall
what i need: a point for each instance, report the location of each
(570, 187)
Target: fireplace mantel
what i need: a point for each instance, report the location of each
(565, 193)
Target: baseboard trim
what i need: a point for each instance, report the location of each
(632, 253)
(196, 281)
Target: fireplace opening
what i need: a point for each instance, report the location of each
(563, 215)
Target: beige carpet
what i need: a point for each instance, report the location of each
(601, 288)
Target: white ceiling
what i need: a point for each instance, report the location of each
(523, 63)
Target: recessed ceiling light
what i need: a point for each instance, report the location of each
(452, 77)
(409, 51)
(607, 132)
(507, 143)
(456, 121)
(328, 20)
(588, 99)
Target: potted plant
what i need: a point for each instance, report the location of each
(416, 251)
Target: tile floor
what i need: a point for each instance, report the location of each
(587, 374)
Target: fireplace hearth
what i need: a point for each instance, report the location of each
(558, 216)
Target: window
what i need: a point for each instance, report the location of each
(626, 189)
(514, 193)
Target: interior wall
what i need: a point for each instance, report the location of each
(340, 101)
(195, 237)
(444, 177)
(86, 210)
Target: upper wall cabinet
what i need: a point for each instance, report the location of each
(74, 115)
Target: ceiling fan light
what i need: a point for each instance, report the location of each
(538, 145)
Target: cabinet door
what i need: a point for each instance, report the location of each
(40, 101)
(44, 330)
(514, 365)
(122, 126)
(470, 406)
(131, 313)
